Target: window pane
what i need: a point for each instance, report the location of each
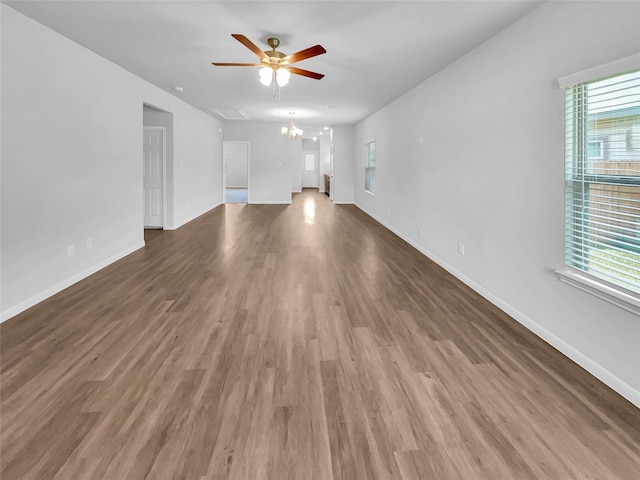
(603, 179)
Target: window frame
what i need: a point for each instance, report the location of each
(595, 285)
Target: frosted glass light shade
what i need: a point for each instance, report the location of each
(266, 76)
(282, 76)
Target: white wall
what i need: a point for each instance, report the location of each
(490, 174)
(343, 181)
(72, 161)
(273, 160)
(324, 156)
(237, 164)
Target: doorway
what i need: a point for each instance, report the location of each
(235, 175)
(153, 176)
(310, 171)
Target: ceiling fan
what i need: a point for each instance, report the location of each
(275, 63)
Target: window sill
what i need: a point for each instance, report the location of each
(600, 289)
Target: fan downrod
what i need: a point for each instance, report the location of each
(274, 43)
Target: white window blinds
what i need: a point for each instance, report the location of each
(370, 168)
(602, 179)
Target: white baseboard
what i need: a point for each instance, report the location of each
(274, 202)
(22, 306)
(563, 347)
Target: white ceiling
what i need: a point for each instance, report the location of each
(376, 50)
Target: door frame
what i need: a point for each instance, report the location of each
(164, 173)
(224, 168)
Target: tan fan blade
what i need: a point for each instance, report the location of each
(303, 54)
(219, 64)
(250, 45)
(305, 73)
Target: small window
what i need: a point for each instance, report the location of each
(370, 168)
(594, 149)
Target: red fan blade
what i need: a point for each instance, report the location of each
(305, 73)
(219, 64)
(303, 55)
(250, 45)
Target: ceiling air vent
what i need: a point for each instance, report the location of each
(230, 113)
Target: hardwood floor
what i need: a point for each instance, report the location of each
(294, 342)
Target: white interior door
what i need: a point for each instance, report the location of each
(152, 176)
(310, 171)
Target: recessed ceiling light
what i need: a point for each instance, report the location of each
(326, 128)
(320, 133)
(178, 89)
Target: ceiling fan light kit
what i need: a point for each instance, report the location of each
(266, 74)
(276, 64)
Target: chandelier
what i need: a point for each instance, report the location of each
(292, 132)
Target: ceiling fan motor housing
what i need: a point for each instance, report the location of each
(274, 55)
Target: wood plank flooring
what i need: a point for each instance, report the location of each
(294, 342)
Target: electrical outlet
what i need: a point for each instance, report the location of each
(71, 251)
(388, 211)
(461, 248)
(420, 233)
(89, 243)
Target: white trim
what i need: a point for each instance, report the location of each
(21, 307)
(600, 289)
(272, 202)
(617, 66)
(563, 347)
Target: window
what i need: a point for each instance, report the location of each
(594, 149)
(602, 181)
(370, 168)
